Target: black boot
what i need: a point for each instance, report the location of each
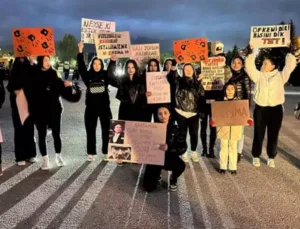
(222, 171)
(211, 154)
(240, 156)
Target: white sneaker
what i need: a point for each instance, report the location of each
(21, 163)
(45, 165)
(271, 163)
(194, 156)
(59, 160)
(32, 160)
(49, 132)
(105, 157)
(256, 161)
(91, 157)
(185, 157)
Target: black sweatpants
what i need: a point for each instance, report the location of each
(152, 172)
(270, 119)
(191, 124)
(91, 117)
(42, 125)
(213, 130)
(24, 142)
(133, 112)
(0, 153)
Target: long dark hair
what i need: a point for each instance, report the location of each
(137, 70)
(227, 85)
(40, 60)
(156, 62)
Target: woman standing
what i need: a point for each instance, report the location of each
(131, 92)
(174, 147)
(2, 98)
(20, 79)
(243, 85)
(46, 107)
(97, 102)
(269, 99)
(189, 100)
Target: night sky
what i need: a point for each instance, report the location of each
(224, 20)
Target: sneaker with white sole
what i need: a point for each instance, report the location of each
(59, 161)
(271, 163)
(185, 157)
(32, 160)
(194, 156)
(46, 164)
(21, 163)
(256, 161)
(105, 157)
(91, 157)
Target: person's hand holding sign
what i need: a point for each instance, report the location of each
(148, 94)
(114, 58)
(200, 77)
(163, 147)
(80, 47)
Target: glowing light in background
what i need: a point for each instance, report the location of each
(118, 71)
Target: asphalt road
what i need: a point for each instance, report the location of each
(102, 195)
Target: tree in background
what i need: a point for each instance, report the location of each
(67, 48)
(228, 57)
(165, 55)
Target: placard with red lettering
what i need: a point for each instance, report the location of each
(108, 44)
(270, 36)
(214, 73)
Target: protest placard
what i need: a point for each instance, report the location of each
(230, 113)
(143, 53)
(141, 142)
(270, 36)
(191, 50)
(33, 41)
(214, 72)
(3, 60)
(159, 87)
(108, 44)
(91, 26)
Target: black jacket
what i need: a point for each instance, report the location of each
(47, 89)
(21, 77)
(242, 83)
(2, 93)
(120, 139)
(175, 140)
(129, 91)
(97, 84)
(187, 94)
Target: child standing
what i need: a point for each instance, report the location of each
(229, 136)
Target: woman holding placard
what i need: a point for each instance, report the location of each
(174, 147)
(243, 85)
(19, 81)
(97, 102)
(189, 99)
(269, 99)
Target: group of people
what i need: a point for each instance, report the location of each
(190, 105)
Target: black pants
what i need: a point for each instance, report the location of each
(152, 172)
(213, 130)
(67, 74)
(91, 116)
(0, 153)
(24, 142)
(133, 112)
(42, 125)
(269, 118)
(191, 124)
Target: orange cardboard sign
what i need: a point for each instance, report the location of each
(33, 41)
(191, 50)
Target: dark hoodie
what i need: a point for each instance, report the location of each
(96, 82)
(189, 92)
(129, 91)
(21, 78)
(46, 88)
(242, 81)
